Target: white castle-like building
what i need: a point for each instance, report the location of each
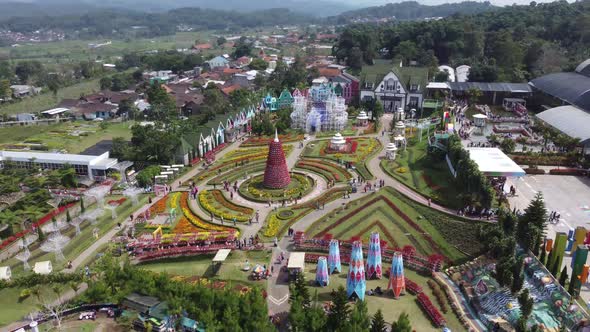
(319, 108)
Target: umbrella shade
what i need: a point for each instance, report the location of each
(258, 269)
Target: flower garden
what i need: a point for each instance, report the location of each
(401, 223)
(186, 222)
(250, 160)
(278, 222)
(366, 147)
(328, 170)
(253, 188)
(264, 140)
(214, 202)
(427, 176)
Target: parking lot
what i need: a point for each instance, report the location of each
(568, 195)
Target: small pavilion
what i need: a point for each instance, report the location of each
(390, 151)
(362, 119)
(338, 143)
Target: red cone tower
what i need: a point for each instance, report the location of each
(276, 174)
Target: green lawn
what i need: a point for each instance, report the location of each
(390, 307)
(429, 177)
(230, 270)
(78, 326)
(65, 136)
(46, 101)
(13, 310)
(386, 212)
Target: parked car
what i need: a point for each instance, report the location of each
(88, 315)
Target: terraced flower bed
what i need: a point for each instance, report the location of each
(264, 140)
(197, 221)
(367, 147)
(328, 170)
(253, 189)
(238, 158)
(401, 223)
(214, 202)
(239, 173)
(278, 222)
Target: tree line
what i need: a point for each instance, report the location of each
(514, 43)
(121, 23)
(412, 10)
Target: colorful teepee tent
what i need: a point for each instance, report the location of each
(374, 267)
(397, 281)
(334, 257)
(355, 281)
(321, 275)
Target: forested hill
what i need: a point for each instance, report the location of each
(115, 23)
(412, 10)
(510, 44)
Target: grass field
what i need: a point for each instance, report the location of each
(400, 222)
(71, 51)
(390, 307)
(66, 135)
(46, 101)
(428, 177)
(12, 310)
(230, 270)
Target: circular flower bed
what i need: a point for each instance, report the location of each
(253, 189)
(286, 214)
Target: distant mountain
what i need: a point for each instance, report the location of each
(411, 10)
(318, 8)
(50, 8)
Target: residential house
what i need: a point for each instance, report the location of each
(20, 91)
(395, 87)
(203, 47)
(242, 62)
(229, 89)
(90, 108)
(246, 79)
(188, 99)
(217, 62)
(345, 84)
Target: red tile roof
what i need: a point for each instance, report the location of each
(329, 72)
(205, 46)
(227, 90)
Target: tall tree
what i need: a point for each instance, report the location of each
(526, 303)
(402, 324)
(378, 324)
(533, 223)
(563, 276)
(339, 314)
(5, 91)
(359, 317)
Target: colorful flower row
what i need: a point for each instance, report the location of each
(159, 206)
(258, 141)
(218, 196)
(333, 170)
(207, 202)
(174, 200)
(184, 226)
(195, 220)
(436, 317)
(117, 201)
(412, 287)
(396, 209)
(272, 229)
